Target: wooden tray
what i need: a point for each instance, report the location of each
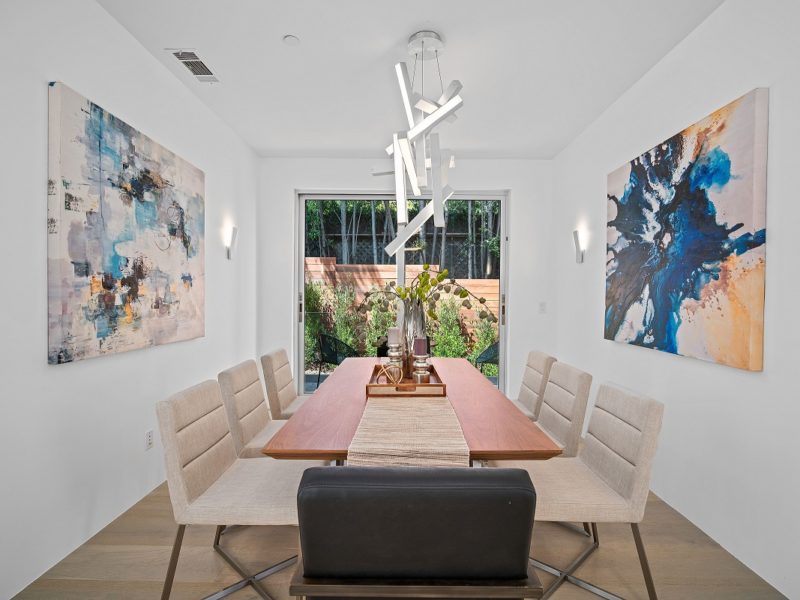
(407, 388)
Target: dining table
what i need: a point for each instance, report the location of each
(493, 427)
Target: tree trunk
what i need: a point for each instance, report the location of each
(343, 221)
(483, 233)
(354, 225)
(490, 227)
(442, 254)
(422, 235)
(374, 237)
(470, 244)
(322, 240)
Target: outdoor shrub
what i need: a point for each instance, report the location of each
(448, 335)
(345, 315)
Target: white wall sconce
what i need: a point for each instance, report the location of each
(230, 242)
(579, 249)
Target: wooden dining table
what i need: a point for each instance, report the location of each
(493, 427)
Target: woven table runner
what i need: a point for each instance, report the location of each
(412, 432)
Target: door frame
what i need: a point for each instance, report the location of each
(298, 287)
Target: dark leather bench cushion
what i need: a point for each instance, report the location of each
(374, 522)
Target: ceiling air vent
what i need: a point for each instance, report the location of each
(196, 66)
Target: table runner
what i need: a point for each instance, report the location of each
(413, 432)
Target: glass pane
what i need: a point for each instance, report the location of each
(345, 258)
(469, 248)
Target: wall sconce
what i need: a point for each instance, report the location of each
(231, 241)
(579, 249)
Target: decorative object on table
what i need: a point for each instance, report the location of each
(686, 234)
(125, 233)
(379, 384)
(421, 372)
(419, 160)
(419, 299)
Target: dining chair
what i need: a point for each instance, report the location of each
(489, 356)
(281, 392)
(534, 381)
(246, 407)
(562, 411)
(333, 351)
(209, 485)
(608, 482)
(413, 533)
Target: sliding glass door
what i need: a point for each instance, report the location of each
(342, 254)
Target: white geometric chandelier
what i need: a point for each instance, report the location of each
(419, 161)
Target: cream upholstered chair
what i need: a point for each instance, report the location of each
(563, 407)
(609, 480)
(534, 380)
(281, 393)
(208, 485)
(248, 416)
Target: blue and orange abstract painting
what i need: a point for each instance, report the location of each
(125, 230)
(686, 240)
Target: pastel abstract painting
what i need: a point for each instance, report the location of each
(686, 240)
(125, 231)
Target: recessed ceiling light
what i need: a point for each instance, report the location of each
(291, 40)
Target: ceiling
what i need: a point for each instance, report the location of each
(535, 72)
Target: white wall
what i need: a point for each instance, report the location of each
(728, 457)
(530, 279)
(72, 436)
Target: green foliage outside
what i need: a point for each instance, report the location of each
(378, 323)
(485, 334)
(448, 336)
(313, 319)
(345, 318)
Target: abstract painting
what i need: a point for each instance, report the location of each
(125, 229)
(686, 235)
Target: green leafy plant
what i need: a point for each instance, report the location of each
(344, 316)
(427, 289)
(313, 320)
(447, 333)
(377, 325)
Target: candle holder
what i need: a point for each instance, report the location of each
(394, 367)
(421, 369)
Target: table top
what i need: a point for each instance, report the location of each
(493, 427)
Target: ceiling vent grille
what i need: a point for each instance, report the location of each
(196, 66)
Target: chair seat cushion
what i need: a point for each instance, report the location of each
(252, 449)
(293, 407)
(524, 409)
(568, 490)
(251, 492)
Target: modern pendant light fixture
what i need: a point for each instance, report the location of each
(419, 161)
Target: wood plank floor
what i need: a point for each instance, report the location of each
(128, 560)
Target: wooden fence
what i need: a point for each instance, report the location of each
(363, 278)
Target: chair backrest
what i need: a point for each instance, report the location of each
(490, 355)
(621, 442)
(534, 380)
(198, 447)
(563, 407)
(244, 401)
(279, 380)
(333, 351)
(423, 523)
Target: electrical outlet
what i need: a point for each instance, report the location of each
(542, 308)
(148, 439)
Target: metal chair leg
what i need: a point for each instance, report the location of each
(648, 576)
(247, 579)
(173, 562)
